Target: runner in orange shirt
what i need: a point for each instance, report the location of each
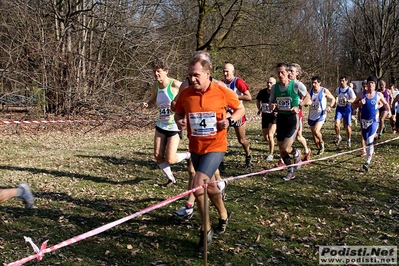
(204, 105)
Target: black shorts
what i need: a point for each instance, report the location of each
(207, 163)
(169, 133)
(287, 126)
(268, 119)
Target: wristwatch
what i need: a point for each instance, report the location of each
(231, 121)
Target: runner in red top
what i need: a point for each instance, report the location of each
(241, 88)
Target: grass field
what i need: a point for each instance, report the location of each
(85, 176)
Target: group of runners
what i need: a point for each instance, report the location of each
(370, 106)
(206, 108)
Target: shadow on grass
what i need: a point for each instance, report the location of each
(57, 173)
(124, 161)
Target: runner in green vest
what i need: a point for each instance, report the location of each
(285, 95)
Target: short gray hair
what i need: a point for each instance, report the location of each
(206, 54)
(298, 68)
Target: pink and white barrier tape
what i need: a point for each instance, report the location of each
(15, 122)
(27, 122)
(40, 252)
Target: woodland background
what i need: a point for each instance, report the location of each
(75, 57)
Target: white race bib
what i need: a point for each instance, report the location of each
(284, 103)
(314, 106)
(265, 108)
(203, 124)
(342, 101)
(164, 113)
(366, 123)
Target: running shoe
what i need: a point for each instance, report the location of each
(26, 196)
(248, 161)
(298, 159)
(269, 157)
(280, 163)
(185, 212)
(379, 135)
(307, 155)
(200, 246)
(366, 167)
(290, 175)
(337, 140)
(321, 150)
(348, 143)
(221, 228)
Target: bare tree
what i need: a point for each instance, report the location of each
(88, 56)
(373, 27)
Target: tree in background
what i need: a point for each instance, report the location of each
(93, 57)
(373, 27)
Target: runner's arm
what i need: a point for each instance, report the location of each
(358, 100)
(153, 99)
(330, 96)
(246, 96)
(385, 103)
(395, 100)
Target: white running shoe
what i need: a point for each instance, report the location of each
(337, 141)
(290, 175)
(298, 159)
(26, 195)
(269, 157)
(184, 212)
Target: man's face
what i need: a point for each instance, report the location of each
(292, 73)
(199, 77)
(343, 83)
(160, 74)
(270, 83)
(282, 74)
(382, 84)
(371, 85)
(316, 84)
(228, 72)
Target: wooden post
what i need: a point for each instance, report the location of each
(204, 223)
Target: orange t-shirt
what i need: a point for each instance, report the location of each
(202, 110)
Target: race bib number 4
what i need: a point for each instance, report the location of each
(203, 124)
(284, 103)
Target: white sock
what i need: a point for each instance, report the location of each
(369, 151)
(221, 185)
(183, 156)
(165, 167)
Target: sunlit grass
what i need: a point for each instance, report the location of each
(85, 180)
